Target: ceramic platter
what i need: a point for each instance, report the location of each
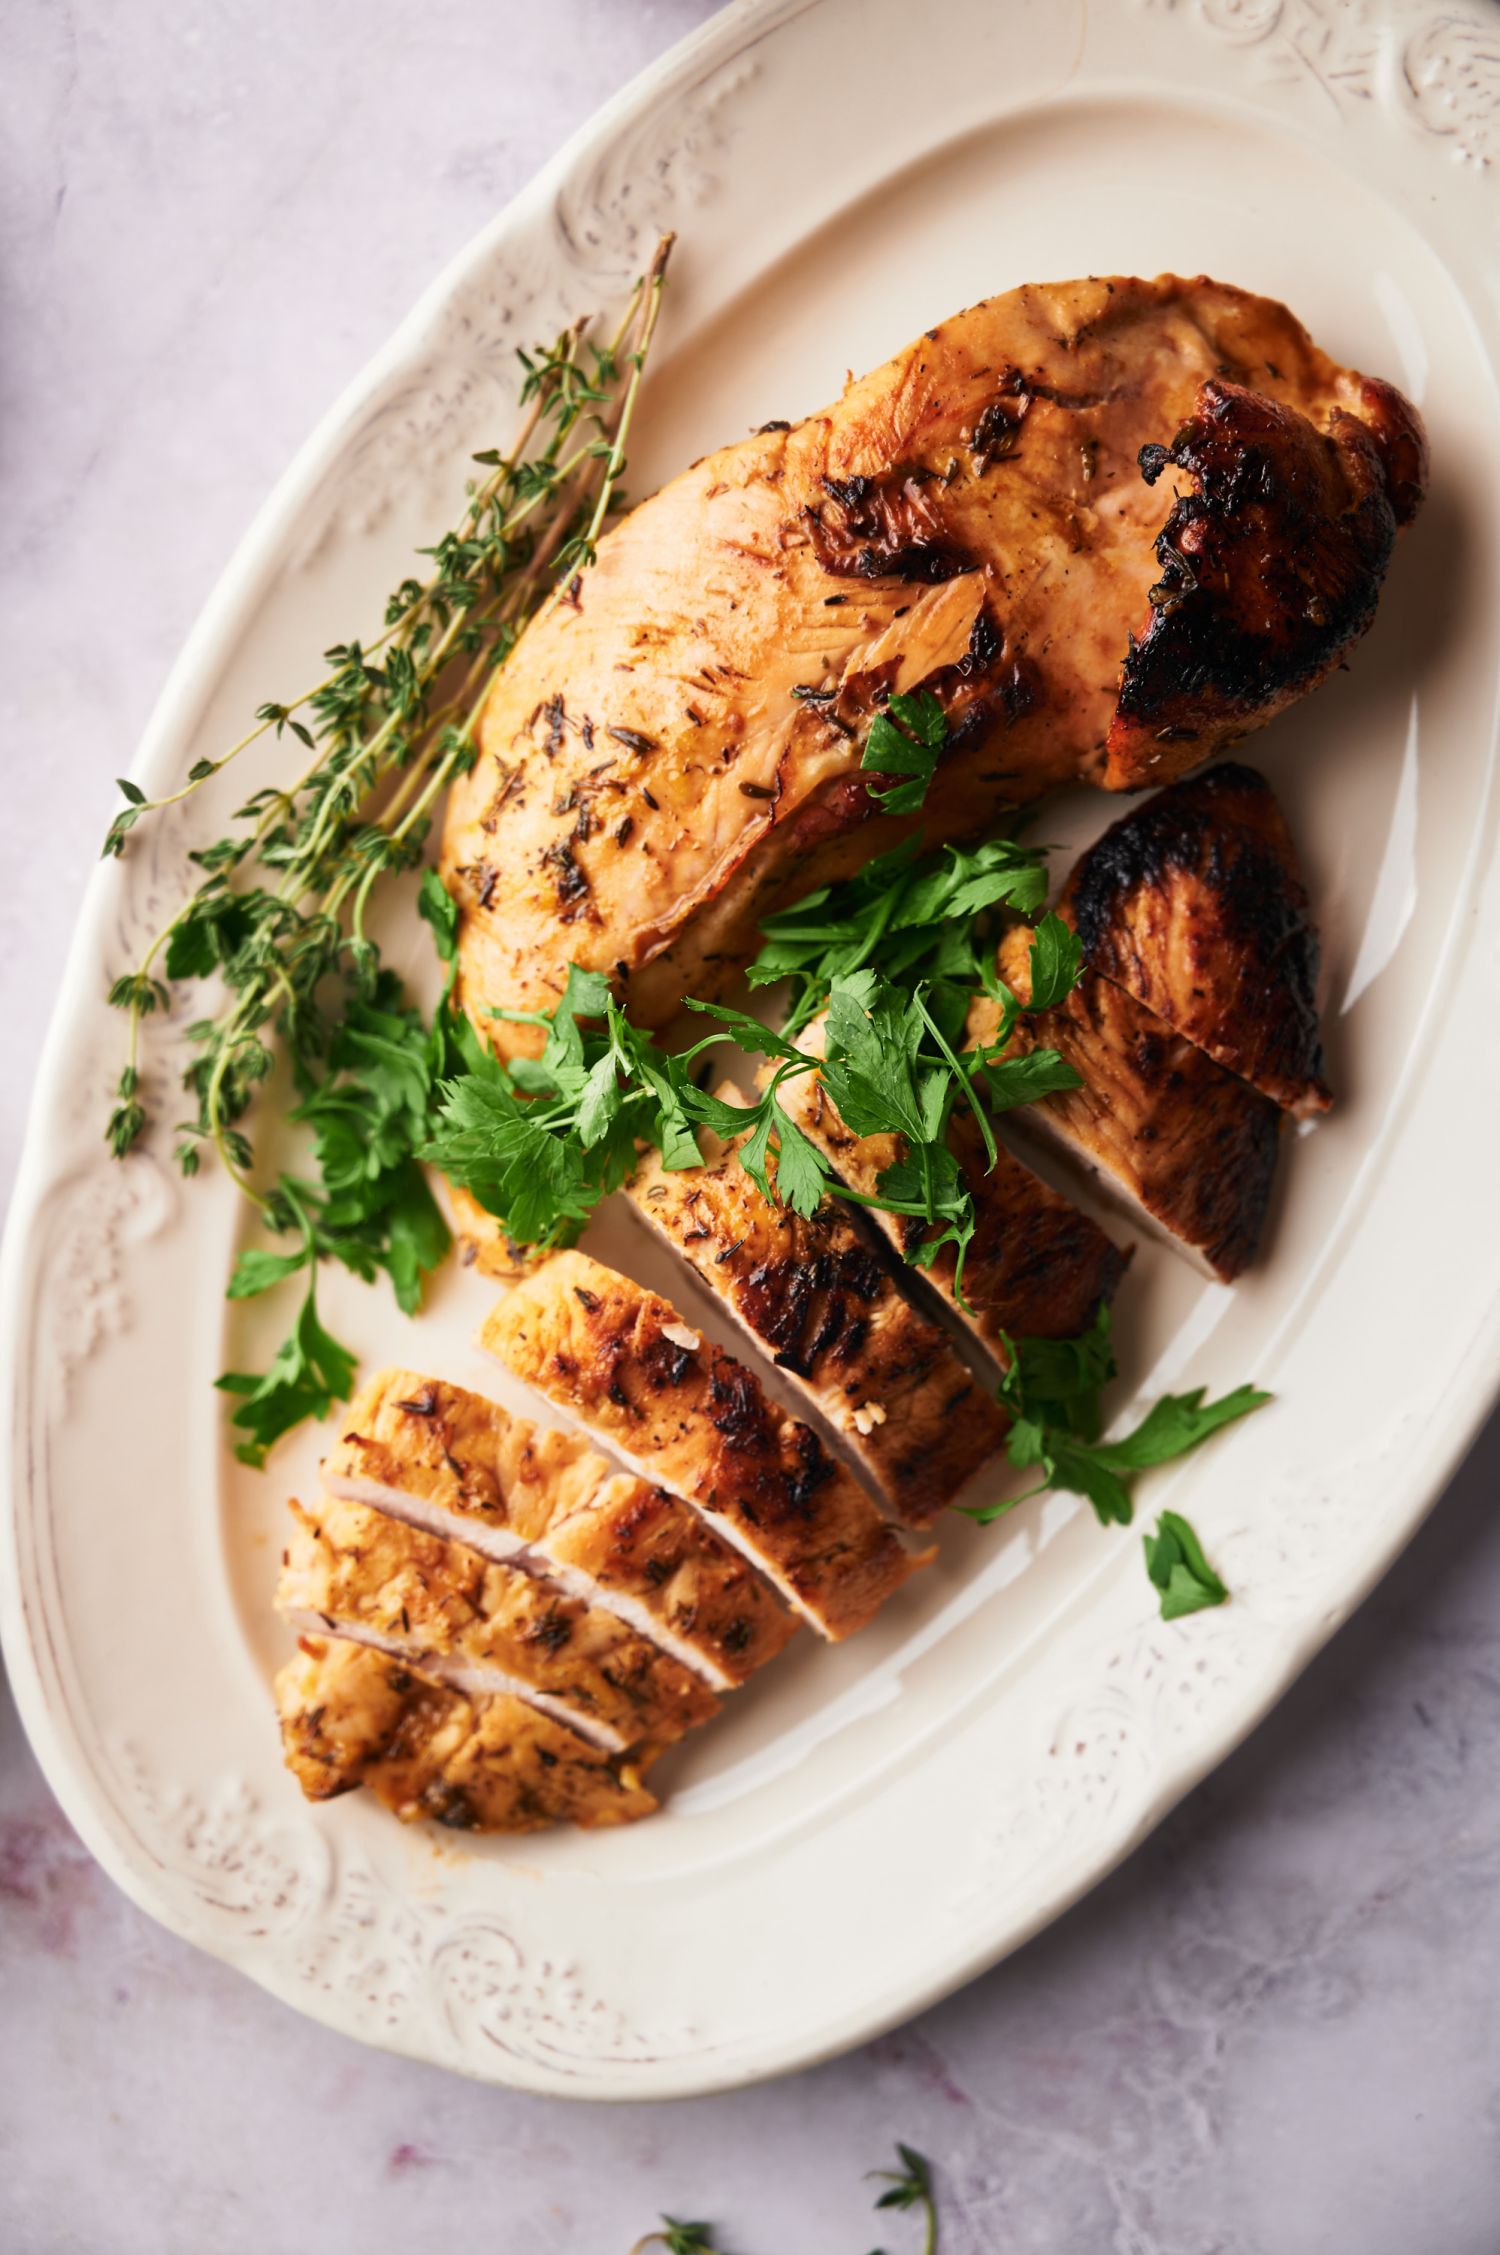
(866, 1828)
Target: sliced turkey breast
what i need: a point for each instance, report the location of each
(1036, 1266)
(1165, 1129)
(1194, 903)
(460, 1466)
(818, 1299)
(623, 1362)
(481, 1628)
(676, 746)
(407, 1442)
(351, 1716)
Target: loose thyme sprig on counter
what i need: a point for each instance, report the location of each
(280, 916)
(909, 2188)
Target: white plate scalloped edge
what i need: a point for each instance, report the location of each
(873, 1826)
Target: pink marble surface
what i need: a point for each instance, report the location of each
(1274, 2032)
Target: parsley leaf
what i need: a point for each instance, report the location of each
(437, 907)
(309, 1373)
(370, 1209)
(1179, 1422)
(919, 918)
(872, 1067)
(801, 1171)
(417, 1238)
(504, 1151)
(905, 741)
(1021, 1080)
(1052, 1389)
(1056, 962)
(1178, 1568)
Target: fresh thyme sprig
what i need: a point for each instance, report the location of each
(280, 915)
(909, 2187)
(389, 727)
(679, 2238)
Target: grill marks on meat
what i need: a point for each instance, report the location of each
(991, 470)
(1176, 1135)
(815, 1296)
(483, 1627)
(351, 1716)
(622, 1361)
(1271, 569)
(1195, 905)
(457, 1465)
(1036, 1268)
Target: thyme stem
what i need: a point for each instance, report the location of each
(285, 899)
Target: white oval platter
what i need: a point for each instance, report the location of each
(869, 1827)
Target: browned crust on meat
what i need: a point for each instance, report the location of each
(1195, 1146)
(507, 1482)
(352, 1717)
(617, 1357)
(440, 1600)
(1271, 560)
(826, 1308)
(653, 773)
(647, 1544)
(461, 1453)
(1194, 903)
(1036, 1268)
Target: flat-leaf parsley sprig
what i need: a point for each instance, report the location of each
(541, 1142)
(1053, 1389)
(920, 919)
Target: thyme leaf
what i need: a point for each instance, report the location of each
(278, 918)
(679, 2239)
(911, 2187)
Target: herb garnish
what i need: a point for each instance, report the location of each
(280, 915)
(904, 741)
(679, 2239)
(912, 2188)
(1177, 1566)
(1052, 1389)
(921, 918)
(540, 1143)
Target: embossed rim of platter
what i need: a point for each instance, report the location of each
(1422, 82)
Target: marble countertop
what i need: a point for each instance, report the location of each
(1274, 2031)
